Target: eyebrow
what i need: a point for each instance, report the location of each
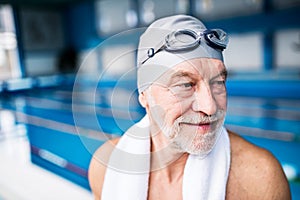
(222, 73)
(180, 74)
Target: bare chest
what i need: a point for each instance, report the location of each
(236, 188)
(159, 189)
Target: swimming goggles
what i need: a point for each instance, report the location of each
(186, 39)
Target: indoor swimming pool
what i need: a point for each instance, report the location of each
(65, 127)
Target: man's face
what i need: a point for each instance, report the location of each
(188, 104)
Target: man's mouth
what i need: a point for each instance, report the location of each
(202, 127)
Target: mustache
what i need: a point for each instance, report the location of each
(200, 119)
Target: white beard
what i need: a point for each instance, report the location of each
(193, 142)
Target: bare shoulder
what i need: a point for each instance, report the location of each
(97, 166)
(255, 173)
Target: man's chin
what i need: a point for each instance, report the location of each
(200, 154)
(200, 145)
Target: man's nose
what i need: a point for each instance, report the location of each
(204, 100)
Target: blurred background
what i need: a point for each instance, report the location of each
(68, 84)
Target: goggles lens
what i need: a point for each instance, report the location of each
(185, 39)
(181, 40)
(216, 38)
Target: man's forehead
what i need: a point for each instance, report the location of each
(199, 63)
(194, 68)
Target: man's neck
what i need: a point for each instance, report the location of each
(173, 171)
(166, 160)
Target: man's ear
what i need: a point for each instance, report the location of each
(143, 99)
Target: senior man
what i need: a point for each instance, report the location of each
(180, 149)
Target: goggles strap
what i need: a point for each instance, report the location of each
(152, 51)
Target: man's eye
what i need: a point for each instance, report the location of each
(218, 82)
(183, 89)
(186, 85)
(218, 86)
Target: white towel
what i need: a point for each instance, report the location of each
(128, 169)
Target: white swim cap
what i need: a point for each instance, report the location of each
(162, 46)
